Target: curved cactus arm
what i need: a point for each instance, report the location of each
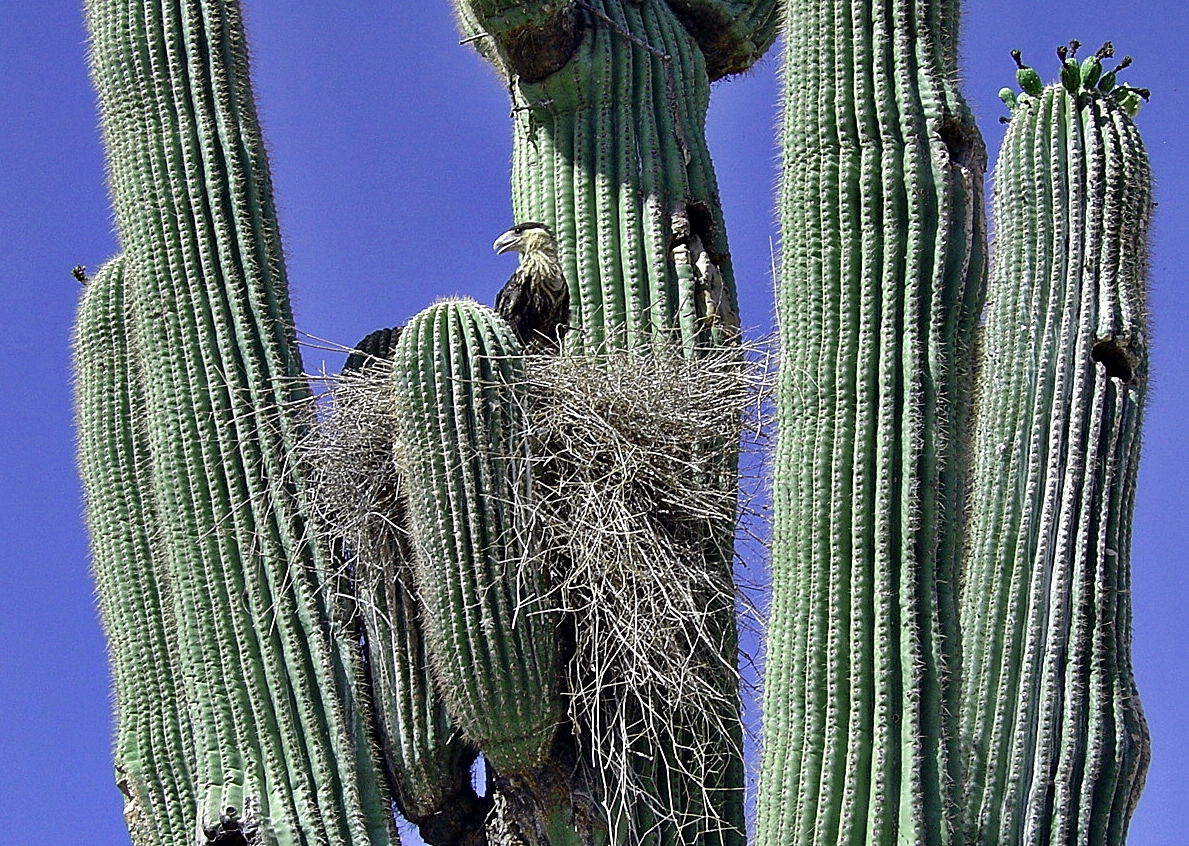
(879, 290)
(1050, 711)
(427, 761)
(268, 691)
(154, 746)
(491, 638)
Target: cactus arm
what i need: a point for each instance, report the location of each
(427, 761)
(276, 726)
(154, 748)
(1057, 737)
(492, 643)
(879, 291)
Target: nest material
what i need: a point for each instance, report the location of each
(353, 485)
(633, 506)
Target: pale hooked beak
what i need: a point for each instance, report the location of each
(510, 240)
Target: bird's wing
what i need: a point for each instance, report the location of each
(510, 298)
(512, 303)
(378, 345)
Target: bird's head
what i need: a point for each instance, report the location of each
(528, 237)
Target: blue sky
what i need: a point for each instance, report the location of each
(390, 150)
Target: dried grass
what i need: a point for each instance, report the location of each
(634, 502)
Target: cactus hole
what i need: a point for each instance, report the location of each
(957, 139)
(1114, 357)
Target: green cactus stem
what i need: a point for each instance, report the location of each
(154, 746)
(428, 762)
(609, 151)
(361, 499)
(879, 290)
(266, 688)
(491, 637)
(1058, 744)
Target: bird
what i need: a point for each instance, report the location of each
(535, 301)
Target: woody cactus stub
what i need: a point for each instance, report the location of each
(1051, 716)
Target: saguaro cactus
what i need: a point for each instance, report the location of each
(880, 286)
(609, 100)
(263, 729)
(1050, 711)
(897, 708)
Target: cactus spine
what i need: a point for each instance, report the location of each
(879, 290)
(276, 745)
(1050, 712)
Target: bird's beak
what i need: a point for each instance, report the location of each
(510, 240)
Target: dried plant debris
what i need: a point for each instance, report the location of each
(635, 497)
(354, 486)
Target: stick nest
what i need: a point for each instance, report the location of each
(634, 501)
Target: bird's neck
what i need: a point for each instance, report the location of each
(544, 264)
